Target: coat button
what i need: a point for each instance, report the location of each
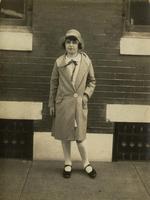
(75, 95)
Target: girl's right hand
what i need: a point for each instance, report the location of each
(52, 111)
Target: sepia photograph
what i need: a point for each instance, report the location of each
(74, 99)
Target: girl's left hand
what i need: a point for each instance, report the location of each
(84, 101)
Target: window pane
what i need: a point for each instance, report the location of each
(140, 12)
(12, 9)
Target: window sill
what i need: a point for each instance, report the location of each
(135, 43)
(17, 38)
(129, 113)
(21, 110)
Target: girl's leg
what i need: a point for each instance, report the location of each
(82, 146)
(66, 146)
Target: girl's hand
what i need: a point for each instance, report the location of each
(52, 111)
(85, 98)
(84, 101)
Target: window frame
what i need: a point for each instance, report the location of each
(25, 21)
(127, 26)
(17, 32)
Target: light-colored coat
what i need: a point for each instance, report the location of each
(67, 99)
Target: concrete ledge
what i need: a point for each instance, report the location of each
(20, 110)
(19, 39)
(128, 113)
(47, 148)
(135, 44)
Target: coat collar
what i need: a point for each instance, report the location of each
(82, 70)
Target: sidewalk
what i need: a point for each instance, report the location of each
(42, 180)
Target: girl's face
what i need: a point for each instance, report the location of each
(71, 46)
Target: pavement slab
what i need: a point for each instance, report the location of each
(42, 180)
(143, 169)
(115, 181)
(13, 175)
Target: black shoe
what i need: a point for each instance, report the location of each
(91, 174)
(67, 174)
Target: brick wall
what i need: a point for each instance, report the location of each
(120, 79)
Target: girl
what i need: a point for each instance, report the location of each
(71, 86)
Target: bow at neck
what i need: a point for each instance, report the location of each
(70, 62)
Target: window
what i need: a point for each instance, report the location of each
(137, 15)
(15, 25)
(136, 28)
(15, 12)
(12, 9)
(140, 12)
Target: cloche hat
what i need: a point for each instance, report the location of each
(73, 33)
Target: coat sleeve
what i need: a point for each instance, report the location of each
(53, 86)
(91, 81)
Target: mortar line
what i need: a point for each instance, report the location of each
(140, 177)
(25, 180)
